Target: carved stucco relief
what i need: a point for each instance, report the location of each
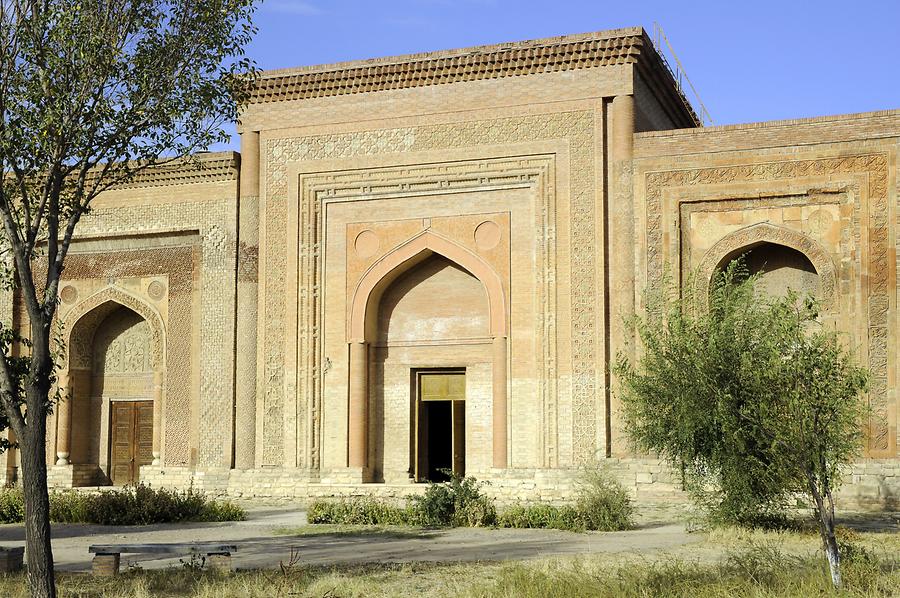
(764, 232)
(178, 264)
(85, 316)
(215, 260)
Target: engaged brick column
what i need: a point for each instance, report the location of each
(105, 565)
(499, 400)
(620, 244)
(64, 420)
(157, 414)
(247, 304)
(357, 448)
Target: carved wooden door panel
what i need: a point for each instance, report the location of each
(132, 440)
(120, 470)
(143, 429)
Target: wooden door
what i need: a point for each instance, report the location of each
(459, 437)
(132, 440)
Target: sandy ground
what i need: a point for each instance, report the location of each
(260, 545)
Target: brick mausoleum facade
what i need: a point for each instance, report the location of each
(423, 262)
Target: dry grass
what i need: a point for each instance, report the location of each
(730, 562)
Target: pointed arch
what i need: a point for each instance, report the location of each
(756, 234)
(410, 253)
(104, 302)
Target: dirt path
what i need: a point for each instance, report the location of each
(260, 546)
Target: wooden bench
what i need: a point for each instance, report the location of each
(106, 556)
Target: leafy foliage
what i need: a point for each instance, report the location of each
(131, 505)
(12, 506)
(602, 504)
(357, 511)
(457, 503)
(750, 397)
(542, 516)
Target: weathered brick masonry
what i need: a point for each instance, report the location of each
(424, 261)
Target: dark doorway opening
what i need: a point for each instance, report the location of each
(439, 418)
(440, 426)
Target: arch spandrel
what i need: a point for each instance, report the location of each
(100, 304)
(405, 256)
(764, 232)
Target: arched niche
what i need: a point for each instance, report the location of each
(90, 311)
(408, 312)
(363, 330)
(775, 248)
(114, 350)
(367, 295)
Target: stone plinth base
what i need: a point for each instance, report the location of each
(74, 475)
(9, 476)
(870, 485)
(346, 475)
(11, 559)
(221, 563)
(105, 565)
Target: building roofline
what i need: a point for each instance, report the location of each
(454, 52)
(629, 45)
(766, 124)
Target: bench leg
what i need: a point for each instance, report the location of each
(105, 565)
(220, 562)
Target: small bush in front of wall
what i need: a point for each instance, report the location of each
(70, 506)
(143, 505)
(357, 511)
(131, 505)
(543, 517)
(603, 502)
(457, 503)
(12, 505)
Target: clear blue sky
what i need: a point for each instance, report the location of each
(750, 60)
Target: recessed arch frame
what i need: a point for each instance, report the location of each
(754, 235)
(405, 256)
(112, 296)
(361, 330)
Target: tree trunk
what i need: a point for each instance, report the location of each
(825, 515)
(831, 548)
(37, 510)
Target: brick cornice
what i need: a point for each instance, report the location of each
(571, 52)
(201, 168)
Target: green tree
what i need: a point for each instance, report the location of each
(750, 397)
(91, 94)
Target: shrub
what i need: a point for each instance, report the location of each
(457, 503)
(131, 505)
(70, 506)
(143, 505)
(603, 503)
(12, 505)
(543, 517)
(356, 511)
